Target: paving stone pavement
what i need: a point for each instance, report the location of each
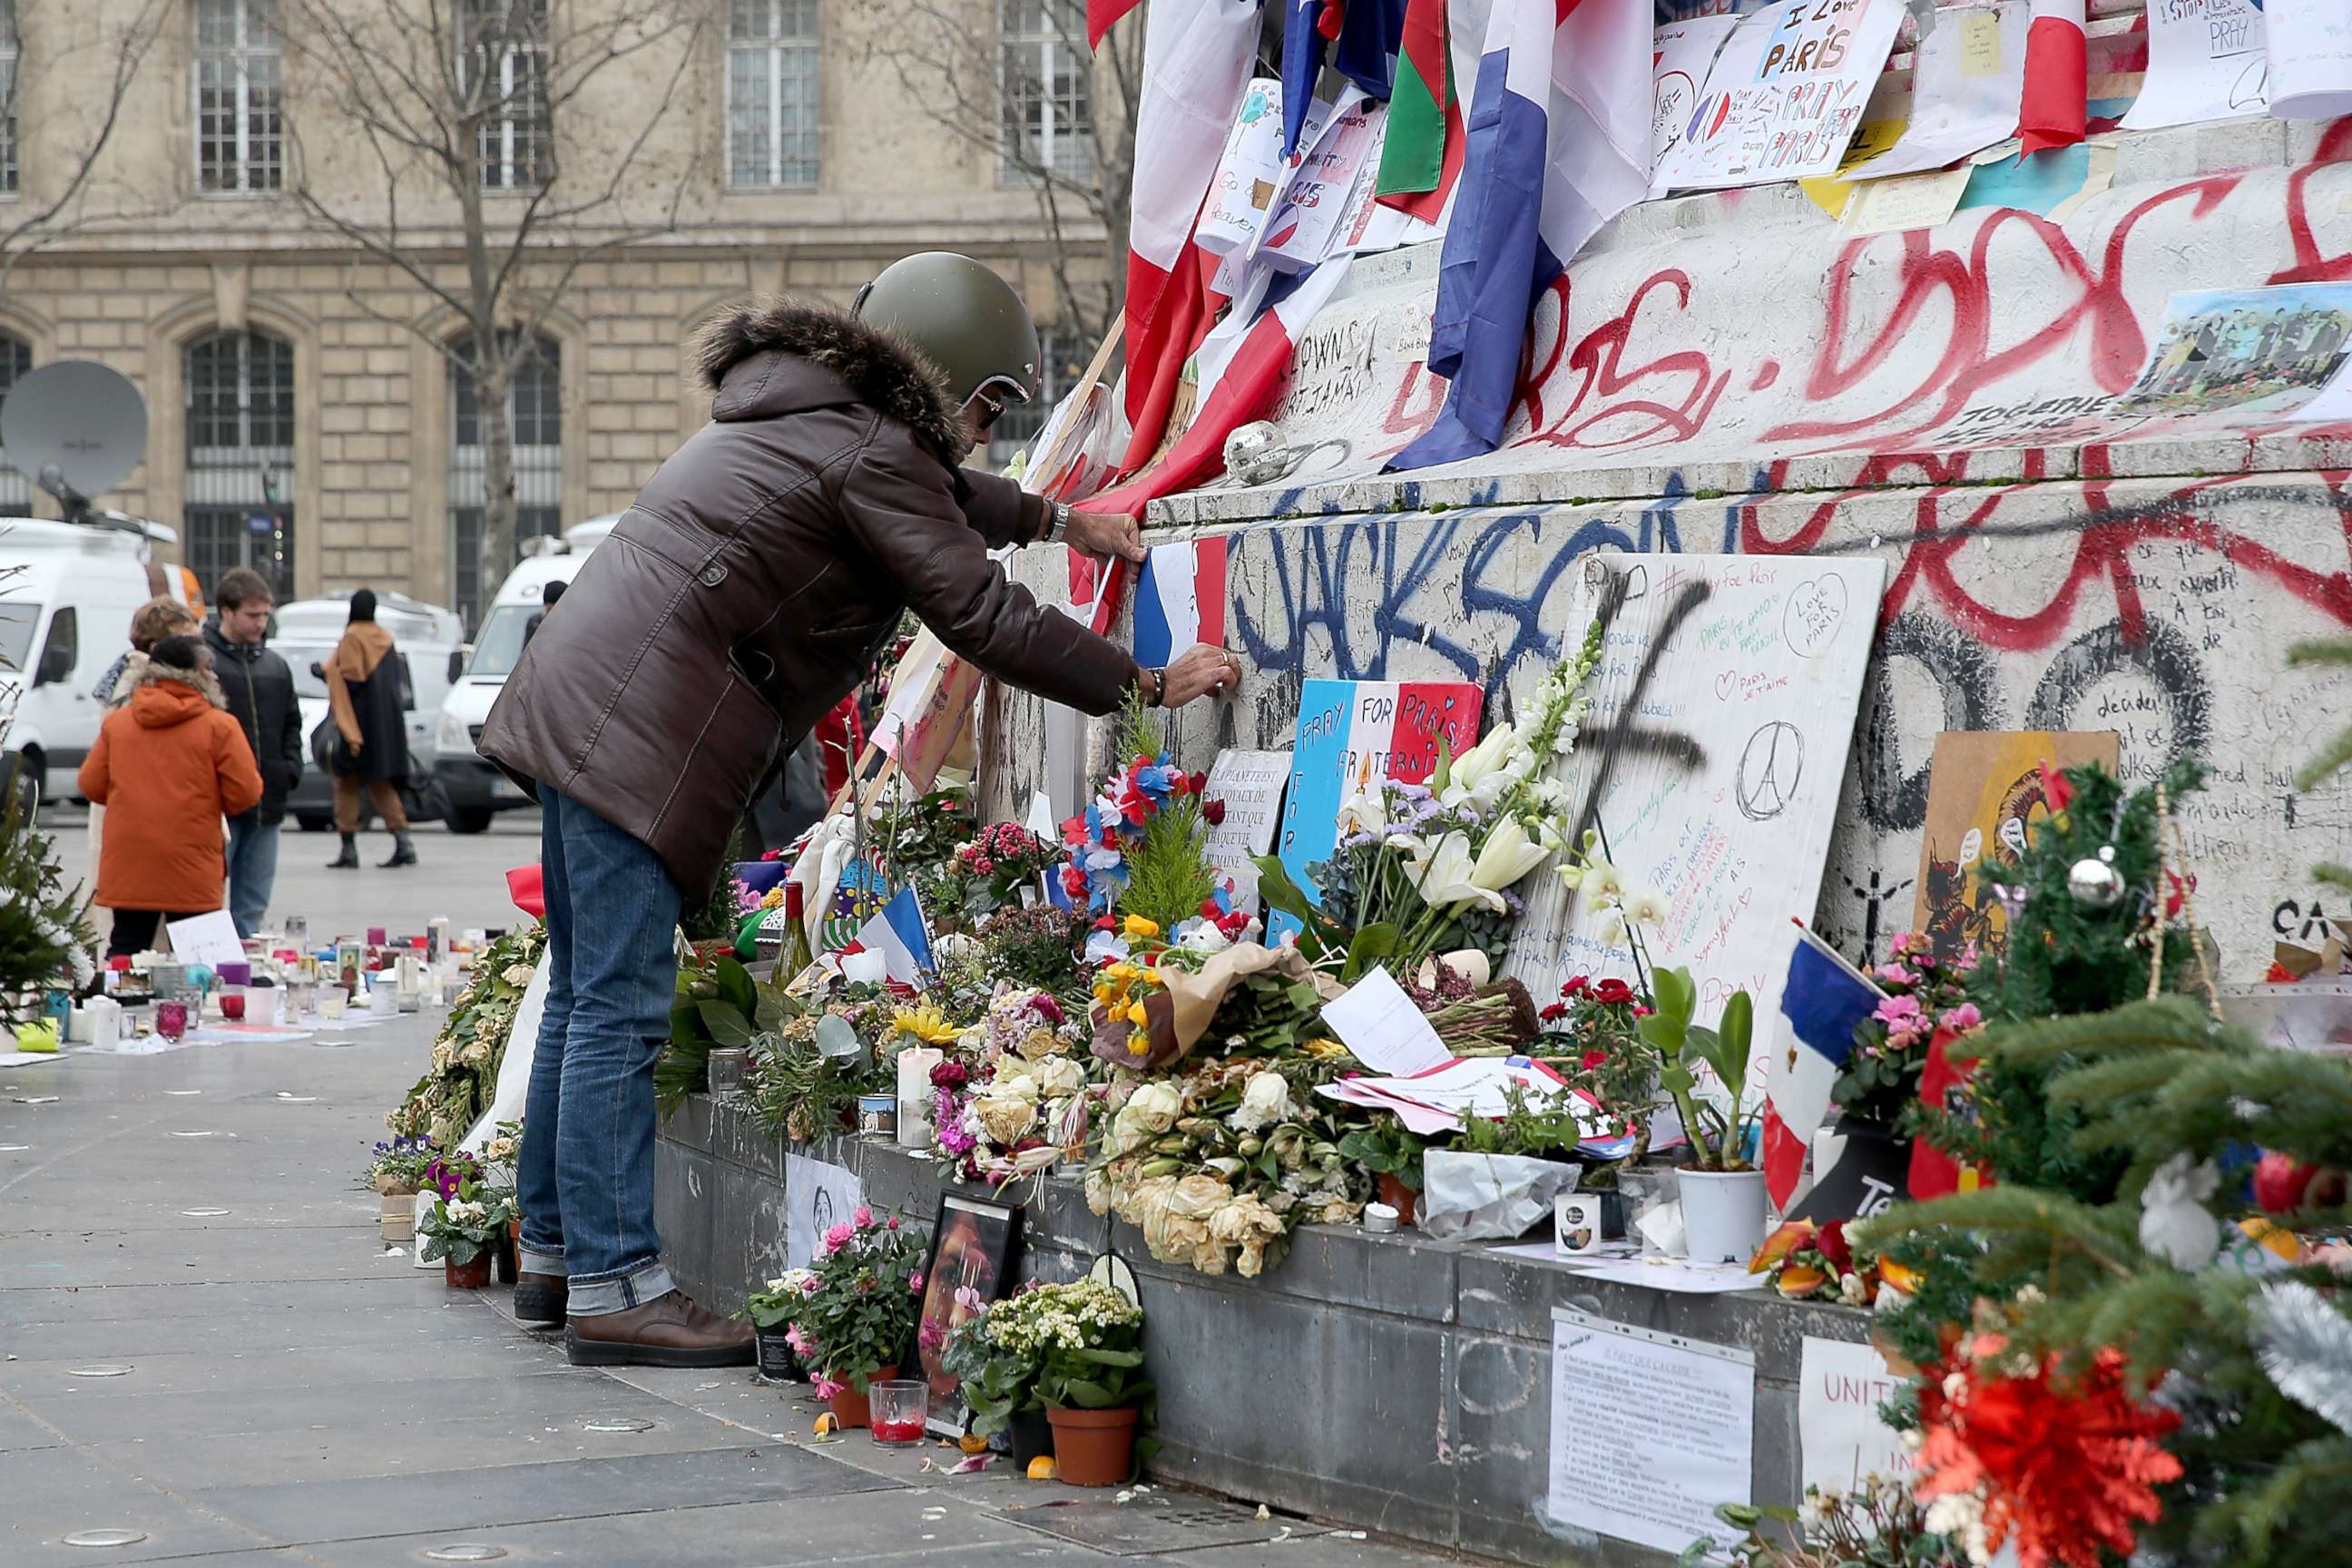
(292, 1396)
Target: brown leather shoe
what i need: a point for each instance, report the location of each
(539, 1299)
(670, 1331)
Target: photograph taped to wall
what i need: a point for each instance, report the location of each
(2256, 350)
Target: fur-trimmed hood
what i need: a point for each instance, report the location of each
(147, 673)
(881, 369)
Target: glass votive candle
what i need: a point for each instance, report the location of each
(728, 1068)
(233, 1006)
(330, 1001)
(170, 1019)
(900, 1406)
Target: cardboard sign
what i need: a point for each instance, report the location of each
(1786, 94)
(1840, 1438)
(1984, 794)
(1250, 786)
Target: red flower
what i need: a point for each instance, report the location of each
(1212, 812)
(1613, 992)
(1831, 1242)
(1594, 1059)
(2055, 791)
(2067, 1466)
(1198, 783)
(1577, 985)
(2179, 897)
(1106, 924)
(1552, 1012)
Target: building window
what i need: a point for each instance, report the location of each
(7, 98)
(16, 489)
(240, 138)
(1065, 353)
(240, 424)
(1047, 87)
(502, 64)
(771, 93)
(535, 401)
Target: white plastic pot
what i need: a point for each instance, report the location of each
(1723, 1214)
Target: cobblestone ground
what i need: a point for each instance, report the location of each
(207, 1349)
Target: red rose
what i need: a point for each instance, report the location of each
(1213, 813)
(1553, 1013)
(1594, 1059)
(1613, 992)
(1831, 1242)
(1578, 984)
(1198, 782)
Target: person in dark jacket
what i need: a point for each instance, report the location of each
(760, 572)
(549, 592)
(363, 688)
(260, 689)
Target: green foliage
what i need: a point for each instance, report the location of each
(1542, 1128)
(716, 918)
(1036, 947)
(462, 1077)
(45, 938)
(1718, 1132)
(718, 1006)
(861, 1317)
(1383, 1147)
(998, 1383)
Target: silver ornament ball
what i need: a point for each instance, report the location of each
(2094, 883)
(1255, 454)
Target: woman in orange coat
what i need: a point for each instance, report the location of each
(169, 765)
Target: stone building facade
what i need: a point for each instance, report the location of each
(301, 418)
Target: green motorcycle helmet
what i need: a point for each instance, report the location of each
(962, 318)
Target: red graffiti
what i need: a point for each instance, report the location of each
(2334, 147)
(1599, 361)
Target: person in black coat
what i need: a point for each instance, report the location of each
(260, 689)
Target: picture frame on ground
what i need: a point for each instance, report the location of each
(975, 1245)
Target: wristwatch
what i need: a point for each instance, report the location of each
(1058, 526)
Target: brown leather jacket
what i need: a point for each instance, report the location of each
(758, 576)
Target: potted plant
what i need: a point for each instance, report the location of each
(463, 1231)
(1392, 1155)
(771, 1313)
(1722, 1193)
(856, 1324)
(999, 1383)
(396, 1171)
(1087, 1339)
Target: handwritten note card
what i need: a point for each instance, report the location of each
(1383, 1029)
(1650, 1432)
(1249, 784)
(2206, 60)
(2310, 58)
(205, 938)
(1723, 709)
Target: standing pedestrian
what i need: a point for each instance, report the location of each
(172, 764)
(549, 592)
(748, 590)
(363, 687)
(260, 692)
(151, 623)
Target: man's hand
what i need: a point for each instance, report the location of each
(1104, 536)
(1203, 668)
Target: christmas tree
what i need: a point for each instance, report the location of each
(44, 940)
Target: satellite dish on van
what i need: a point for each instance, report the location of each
(75, 426)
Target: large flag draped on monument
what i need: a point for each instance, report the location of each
(1558, 144)
(1196, 60)
(1421, 156)
(2057, 84)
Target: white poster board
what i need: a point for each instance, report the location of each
(1250, 786)
(1967, 80)
(514, 1067)
(2205, 62)
(1310, 214)
(205, 938)
(2310, 49)
(1786, 94)
(818, 1195)
(1681, 56)
(1736, 678)
(1840, 1438)
(1650, 1432)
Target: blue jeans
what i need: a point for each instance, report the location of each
(252, 869)
(585, 1179)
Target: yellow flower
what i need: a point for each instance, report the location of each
(1324, 1049)
(775, 898)
(926, 1024)
(1136, 1016)
(1137, 926)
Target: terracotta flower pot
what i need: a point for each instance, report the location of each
(1400, 1197)
(850, 1406)
(1093, 1447)
(468, 1276)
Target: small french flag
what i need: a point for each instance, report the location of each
(1180, 600)
(1822, 1000)
(2057, 82)
(896, 931)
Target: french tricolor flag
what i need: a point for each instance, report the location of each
(1180, 600)
(1558, 144)
(1102, 15)
(1822, 1000)
(896, 931)
(2057, 76)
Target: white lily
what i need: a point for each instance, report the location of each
(1480, 775)
(1365, 807)
(1443, 873)
(1508, 855)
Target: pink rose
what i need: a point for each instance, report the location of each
(812, 1285)
(1899, 1011)
(826, 1388)
(915, 1282)
(1896, 974)
(864, 1219)
(836, 1238)
(893, 1224)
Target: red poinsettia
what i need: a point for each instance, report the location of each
(2065, 1464)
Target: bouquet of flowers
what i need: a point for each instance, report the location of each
(1816, 1262)
(1218, 1165)
(1140, 846)
(804, 1076)
(1016, 1097)
(1924, 993)
(868, 1294)
(1595, 1041)
(464, 1072)
(989, 870)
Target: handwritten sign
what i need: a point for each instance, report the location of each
(1314, 206)
(1840, 1438)
(1351, 734)
(1786, 94)
(2206, 60)
(2310, 58)
(1681, 55)
(1249, 784)
(1969, 75)
(1650, 1432)
(1722, 712)
(1249, 175)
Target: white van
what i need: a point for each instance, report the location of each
(430, 643)
(65, 605)
(474, 789)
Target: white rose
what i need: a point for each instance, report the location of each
(1264, 1102)
(1149, 1111)
(517, 974)
(1058, 1078)
(1004, 1118)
